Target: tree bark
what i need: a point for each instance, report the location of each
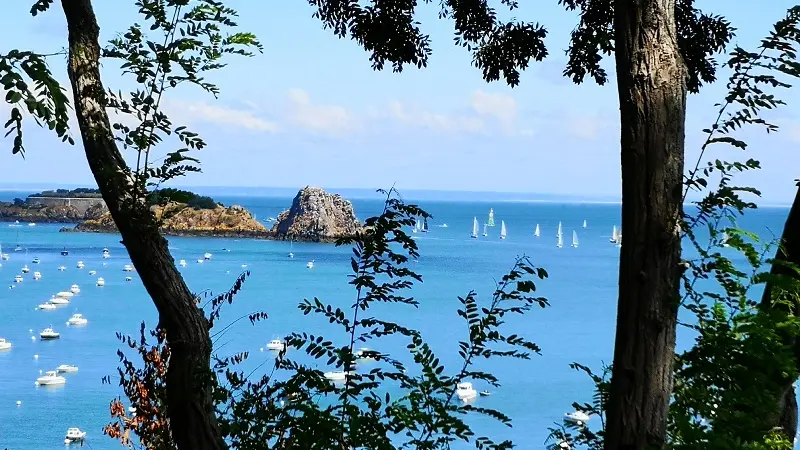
(189, 405)
(788, 251)
(651, 80)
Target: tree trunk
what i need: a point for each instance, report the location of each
(788, 251)
(652, 94)
(189, 406)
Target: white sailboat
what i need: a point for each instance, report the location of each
(416, 226)
(474, 228)
(560, 242)
(490, 222)
(558, 232)
(584, 223)
(537, 232)
(614, 235)
(574, 239)
(725, 238)
(291, 254)
(502, 229)
(485, 231)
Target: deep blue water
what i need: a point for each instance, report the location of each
(578, 327)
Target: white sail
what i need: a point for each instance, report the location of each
(474, 227)
(560, 241)
(574, 239)
(502, 229)
(485, 230)
(725, 238)
(537, 232)
(584, 223)
(614, 236)
(491, 218)
(559, 233)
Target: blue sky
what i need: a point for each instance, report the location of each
(310, 110)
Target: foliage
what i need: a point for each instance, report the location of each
(293, 405)
(19, 202)
(728, 385)
(70, 193)
(165, 195)
(390, 32)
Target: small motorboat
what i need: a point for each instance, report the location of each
(50, 378)
(92, 272)
(65, 252)
(79, 265)
(62, 268)
(65, 294)
(18, 279)
(74, 289)
(128, 278)
(465, 391)
(49, 334)
(310, 264)
(207, 256)
(200, 261)
(337, 375)
(276, 344)
(74, 435)
(4, 344)
(77, 319)
(182, 263)
(484, 393)
(25, 269)
(37, 275)
(31, 224)
(36, 260)
(58, 300)
(67, 368)
(366, 354)
(127, 268)
(106, 253)
(47, 306)
(101, 282)
(577, 417)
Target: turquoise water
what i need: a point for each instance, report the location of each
(578, 327)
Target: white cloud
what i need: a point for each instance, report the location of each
(330, 120)
(203, 112)
(434, 121)
(587, 127)
(501, 107)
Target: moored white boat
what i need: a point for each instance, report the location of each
(67, 368)
(182, 263)
(101, 282)
(337, 375)
(75, 289)
(62, 268)
(47, 306)
(57, 300)
(49, 334)
(65, 294)
(77, 319)
(207, 255)
(576, 417)
(92, 272)
(276, 344)
(465, 391)
(37, 275)
(80, 265)
(5, 344)
(74, 435)
(25, 269)
(127, 268)
(18, 279)
(50, 378)
(106, 253)
(310, 264)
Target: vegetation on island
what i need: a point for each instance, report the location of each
(167, 195)
(70, 193)
(731, 390)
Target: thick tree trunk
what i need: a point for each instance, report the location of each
(189, 406)
(652, 95)
(788, 251)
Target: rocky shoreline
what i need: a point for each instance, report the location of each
(314, 216)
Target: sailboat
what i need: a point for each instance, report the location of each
(491, 218)
(291, 241)
(559, 233)
(502, 229)
(725, 239)
(474, 228)
(614, 236)
(537, 232)
(424, 225)
(584, 223)
(560, 237)
(574, 239)
(485, 231)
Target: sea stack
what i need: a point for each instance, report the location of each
(316, 216)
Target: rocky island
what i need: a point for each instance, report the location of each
(183, 213)
(58, 206)
(316, 216)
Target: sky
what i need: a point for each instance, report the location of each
(310, 110)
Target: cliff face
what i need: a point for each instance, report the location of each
(316, 216)
(47, 213)
(180, 220)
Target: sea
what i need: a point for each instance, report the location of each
(536, 393)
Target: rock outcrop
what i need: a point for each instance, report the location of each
(180, 220)
(316, 216)
(47, 213)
